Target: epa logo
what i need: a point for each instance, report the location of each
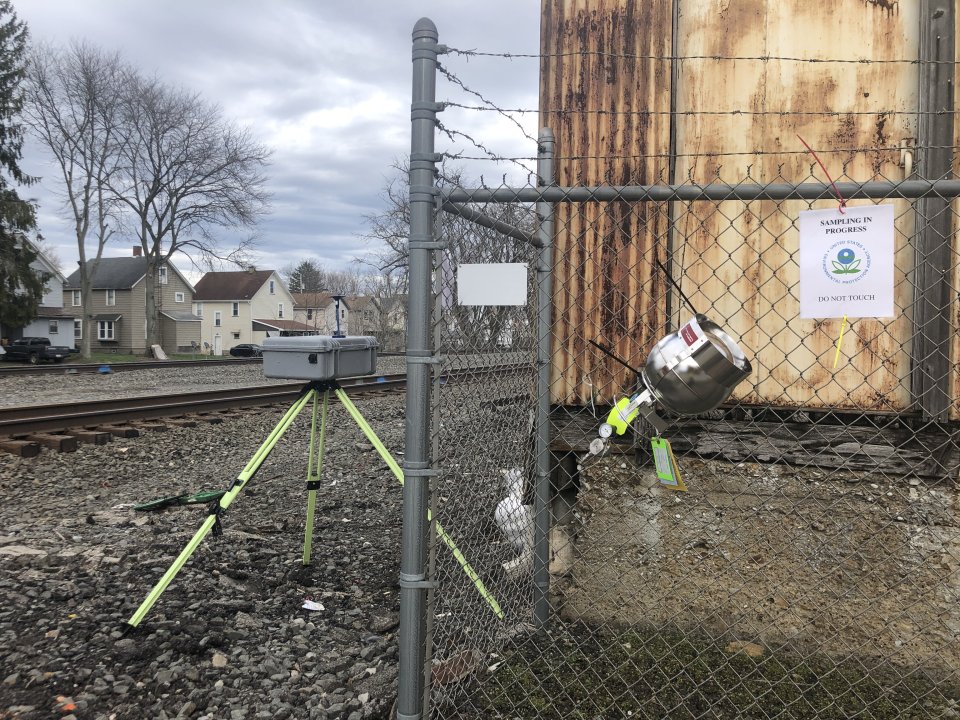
(846, 262)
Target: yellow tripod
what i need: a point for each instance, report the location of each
(312, 391)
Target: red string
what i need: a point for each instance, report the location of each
(823, 167)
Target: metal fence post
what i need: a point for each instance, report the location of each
(541, 505)
(417, 461)
(930, 374)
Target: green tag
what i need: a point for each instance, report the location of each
(667, 470)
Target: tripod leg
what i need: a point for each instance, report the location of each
(398, 472)
(313, 478)
(242, 479)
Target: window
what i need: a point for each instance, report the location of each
(76, 298)
(105, 330)
(54, 327)
(198, 309)
(162, 274)
(178, 297)
(279, 310)
(78, 329)
(309, 314)
(111, 298)
(272, 287)
(236, 336)
(217, 319)
(235, 309)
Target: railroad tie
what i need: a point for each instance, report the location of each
(60, 443)
(123, 431)
(187, 423)
(151, 426)
(93, 437)
(21, 448)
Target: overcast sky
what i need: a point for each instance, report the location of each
(326, 85)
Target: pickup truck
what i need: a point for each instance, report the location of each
(35, 349)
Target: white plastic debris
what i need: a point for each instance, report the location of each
(312, 605)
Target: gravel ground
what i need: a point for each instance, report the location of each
(49, 389)
(229, 638)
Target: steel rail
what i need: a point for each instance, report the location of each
(26, 420)
(83, 368)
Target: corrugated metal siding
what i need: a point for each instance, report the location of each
(604, 289)
(737, 261)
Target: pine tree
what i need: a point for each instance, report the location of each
(21, 288)
(306, 277)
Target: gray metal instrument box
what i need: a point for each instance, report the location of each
(319, 357)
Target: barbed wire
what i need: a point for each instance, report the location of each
(778, 113)
(643, 156)
(488, 105)
(672, 58)
(489, 154)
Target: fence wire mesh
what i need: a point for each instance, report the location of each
(812, 568)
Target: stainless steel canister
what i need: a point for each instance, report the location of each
(696, 368)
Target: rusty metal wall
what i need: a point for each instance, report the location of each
(745, 89)
(601, 55)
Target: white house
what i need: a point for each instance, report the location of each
(52, 321)
(245, 306)
(319, 311)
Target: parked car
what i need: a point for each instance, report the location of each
(35, 349)
(246, 350)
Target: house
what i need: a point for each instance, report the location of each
(392, 323)
(319, 311)
(52, 321)
(119, 306)
(383, 317)
(245, 306)
(364, 315)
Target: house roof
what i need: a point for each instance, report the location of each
(108, 317)
(119, 273)
(181, 315)
(284, 325)
(240, 285)
(359, 302)
(43, 258)
(112, 274)
(316, 301)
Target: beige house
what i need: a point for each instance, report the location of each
(318, 310)
(364, 315)
(241, 307)
(119, 306)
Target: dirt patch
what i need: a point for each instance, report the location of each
(842, 564)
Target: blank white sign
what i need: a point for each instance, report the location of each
(492, 284)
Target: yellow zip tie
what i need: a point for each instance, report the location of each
(839, 340)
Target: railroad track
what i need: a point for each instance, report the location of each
(23, 430)
(86, 368)
(71, 368)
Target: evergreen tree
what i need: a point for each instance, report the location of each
(306, 277)
(21, 288)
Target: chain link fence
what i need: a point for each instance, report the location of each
(811, 568)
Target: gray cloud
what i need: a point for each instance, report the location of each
(326, 85)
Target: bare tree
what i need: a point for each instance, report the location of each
(73, 108)
(185, 173)
(466, 242)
